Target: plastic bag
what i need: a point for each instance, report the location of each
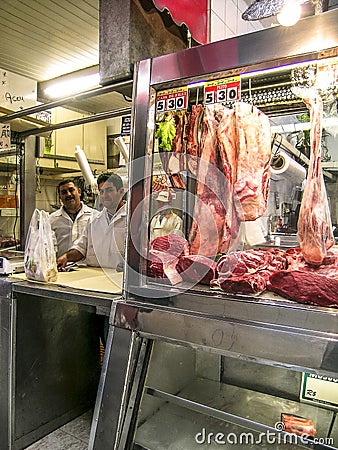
(40, 258)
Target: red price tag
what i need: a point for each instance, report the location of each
(171, 100)
(209, 95)
(233, 91)
(222, 91)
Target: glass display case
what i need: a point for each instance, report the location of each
(192, 362)
(225, 133)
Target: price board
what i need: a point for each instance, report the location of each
(172, 99)
(319, 389)
(222, 91)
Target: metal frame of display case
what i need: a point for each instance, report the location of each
(266, 329)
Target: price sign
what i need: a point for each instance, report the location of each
(222, 91)
(172, 100)
(319, 389)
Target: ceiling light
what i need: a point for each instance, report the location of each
(64, 88)
(290, 13)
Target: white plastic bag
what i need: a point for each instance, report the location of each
(40, 258)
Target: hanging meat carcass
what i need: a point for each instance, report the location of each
(233, 182)
(314, 224)
(193, 129)
(253, 136)
(206, 234)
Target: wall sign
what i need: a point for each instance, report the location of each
(172, 99)
(126, 125)
(319, 389)
(16, 91)
(5, 136)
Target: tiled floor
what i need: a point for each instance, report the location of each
(72, 436)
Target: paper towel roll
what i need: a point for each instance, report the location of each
(282, 165)
(119, 141)
(84, 166)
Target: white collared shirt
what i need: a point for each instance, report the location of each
(163, 225)
(103, 241)
(66, 231)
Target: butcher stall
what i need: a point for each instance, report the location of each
(228, 331)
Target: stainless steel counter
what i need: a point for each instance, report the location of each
(49, 357)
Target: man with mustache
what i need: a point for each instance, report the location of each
(102, 243)
(69, 222)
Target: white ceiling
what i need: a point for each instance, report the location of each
(42, 39)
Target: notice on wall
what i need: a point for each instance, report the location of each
(126, 125)
(5, 136)
(17, 92)
(319, 389)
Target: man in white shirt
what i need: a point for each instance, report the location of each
(102, 243)
(165, 221)
(69, 222)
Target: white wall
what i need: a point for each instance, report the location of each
(226, 20)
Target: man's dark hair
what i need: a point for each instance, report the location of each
(66, 182)
(112, 178)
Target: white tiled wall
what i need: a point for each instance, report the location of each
(226, 20)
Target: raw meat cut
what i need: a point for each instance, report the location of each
(226, 136)
(196, 268)
(163, 257)
(253, 142)
(298, 425)
(176, 163)
(314, 224)
(206, 234)
(163, 265)
(172, 244)
(249, 283)
(193, 149)
(305, 287)
(248, 272)
(233, 176)
(227, 145)
(250, 261)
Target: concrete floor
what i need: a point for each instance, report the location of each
(72, 436)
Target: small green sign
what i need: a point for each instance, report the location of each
(319, 389)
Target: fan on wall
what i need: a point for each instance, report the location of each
(262, 9)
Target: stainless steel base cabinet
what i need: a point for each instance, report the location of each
(184, 393)
(49, 358)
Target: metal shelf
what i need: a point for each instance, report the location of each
(220, 408)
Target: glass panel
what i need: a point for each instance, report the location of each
(198, 211)
(195, 399)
